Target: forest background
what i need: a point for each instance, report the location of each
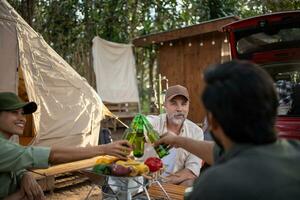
(69, 27)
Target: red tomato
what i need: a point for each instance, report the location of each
(154, 164)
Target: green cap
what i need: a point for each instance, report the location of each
(10, 101)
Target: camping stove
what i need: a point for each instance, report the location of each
(122, 188)
(119, 188)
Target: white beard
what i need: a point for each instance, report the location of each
(175, 120)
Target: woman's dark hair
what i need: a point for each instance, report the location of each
(242, 98)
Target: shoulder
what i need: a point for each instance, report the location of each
(209, 185)
(194, 130)
(219, 182)
(291, 143)
(153, 117)
(157, 121)
(7, 145)
(192, 125)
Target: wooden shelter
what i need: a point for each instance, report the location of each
(183, 55)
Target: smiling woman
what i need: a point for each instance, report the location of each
(16, 159)
(12, 114)
(13, 122)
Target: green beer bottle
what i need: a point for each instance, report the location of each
(138, 143)
(153, 136)
(129, 135)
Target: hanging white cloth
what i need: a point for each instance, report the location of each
(115, 71)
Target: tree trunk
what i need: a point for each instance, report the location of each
(27, 10)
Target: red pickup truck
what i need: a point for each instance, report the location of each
(273, 42)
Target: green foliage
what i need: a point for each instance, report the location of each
(70, 25)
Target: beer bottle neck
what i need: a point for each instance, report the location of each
(140, 131)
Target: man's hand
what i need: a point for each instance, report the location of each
(173, 179)
(168, 138)
(120, 148)
(182, 177)
(31, 188)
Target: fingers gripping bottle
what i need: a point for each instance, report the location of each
(153, 136)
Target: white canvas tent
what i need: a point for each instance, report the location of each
(69, 110)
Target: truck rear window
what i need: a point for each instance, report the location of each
(268, 39)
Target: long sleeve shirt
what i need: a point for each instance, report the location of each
(14, 159)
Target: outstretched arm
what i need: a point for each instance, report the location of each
(68, 154)
(202, 149)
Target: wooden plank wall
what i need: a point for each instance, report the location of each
(183, 62)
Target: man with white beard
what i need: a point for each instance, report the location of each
(182, 167)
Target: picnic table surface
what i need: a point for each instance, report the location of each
(176, 192)
(64, 168)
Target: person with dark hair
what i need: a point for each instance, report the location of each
(16, 182)
(248, 160)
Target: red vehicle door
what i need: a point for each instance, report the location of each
(273, 42)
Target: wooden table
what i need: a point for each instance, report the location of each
(65, 167)
(45, 177)
(174, 191)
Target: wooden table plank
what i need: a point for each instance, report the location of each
(175, 192)
(64, 168)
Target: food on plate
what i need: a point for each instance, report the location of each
(106, 159)
(102, 169)
(143, 169)
(154, 164)
(128, 162)
(110, 165)
(119, 170)
(134, 171)
(138, 168)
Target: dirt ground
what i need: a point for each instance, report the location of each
(80, 191)
(77, 192)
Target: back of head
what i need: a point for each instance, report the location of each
(242, 98)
